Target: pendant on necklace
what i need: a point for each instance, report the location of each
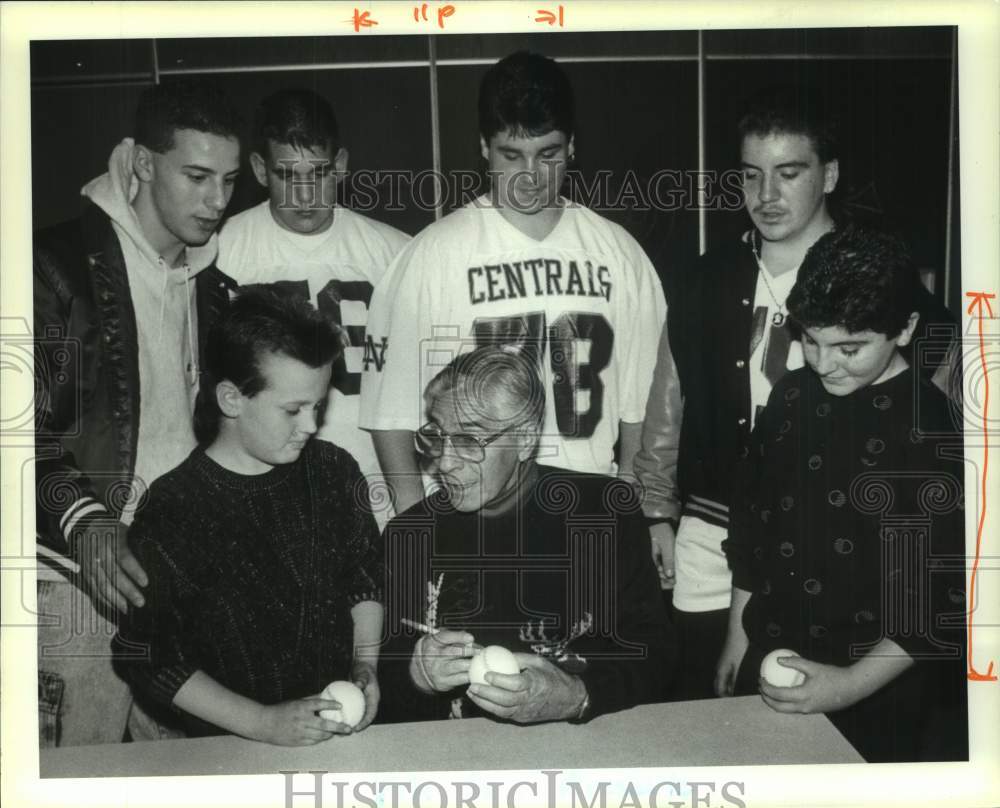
(778, 319)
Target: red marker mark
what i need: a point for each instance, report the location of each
(362, 19)
(550, 17)
(443, 12)
(978, 300)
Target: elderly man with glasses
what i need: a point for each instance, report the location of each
(550, 564)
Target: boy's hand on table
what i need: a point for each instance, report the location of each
(296, 723)
(365, 677)
(827, 688)
(542, 691)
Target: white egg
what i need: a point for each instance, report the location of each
(778, 675)
(351, 699)
(494, 658)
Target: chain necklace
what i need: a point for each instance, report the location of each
(778, 319)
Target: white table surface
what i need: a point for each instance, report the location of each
(734, 731)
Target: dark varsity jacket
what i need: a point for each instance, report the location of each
(702, 381)
(87, 372)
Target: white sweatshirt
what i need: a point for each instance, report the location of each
(164, 301)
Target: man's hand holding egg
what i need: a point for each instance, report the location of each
(542, 691)
(494, 658)
(441, 661)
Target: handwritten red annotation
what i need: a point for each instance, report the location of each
(551, 17)
(362, 20)
(980, 299)
(443, 12)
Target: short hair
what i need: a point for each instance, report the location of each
(526, 94)
(297, 117)
(858, 278)
(184, 104)
(260, 322)
(504, 376)
(792, 110)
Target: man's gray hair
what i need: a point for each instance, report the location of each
(499, 384)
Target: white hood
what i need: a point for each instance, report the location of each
(114, 193)
(163, 298)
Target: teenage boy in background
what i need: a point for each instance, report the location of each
(522, 265)
(726, 343)
(299, 240)
(122, 299)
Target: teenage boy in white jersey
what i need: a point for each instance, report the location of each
(724, 349)
(523, 265)
(300, 241)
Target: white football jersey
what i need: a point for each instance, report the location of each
(585, 298)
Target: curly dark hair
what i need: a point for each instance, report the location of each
(184, 104)
(527, 94)
(260, 322)
(858, 278)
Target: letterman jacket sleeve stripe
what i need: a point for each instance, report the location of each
(79, 509)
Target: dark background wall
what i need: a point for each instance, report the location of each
(643, 98)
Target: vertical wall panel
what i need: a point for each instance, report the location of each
(73, 130)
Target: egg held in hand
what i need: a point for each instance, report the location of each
(778, 675)
(351, 700)
(494, 658)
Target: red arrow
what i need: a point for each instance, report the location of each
(549, 16)
(979, 299)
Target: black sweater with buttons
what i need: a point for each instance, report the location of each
(849, 529)
(710, 327)
(849, 526)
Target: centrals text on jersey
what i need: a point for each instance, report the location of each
(537, 277)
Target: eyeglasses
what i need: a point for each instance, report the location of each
(430, 438)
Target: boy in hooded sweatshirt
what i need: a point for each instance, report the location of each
(122, 298)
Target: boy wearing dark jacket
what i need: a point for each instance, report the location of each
(122, 298)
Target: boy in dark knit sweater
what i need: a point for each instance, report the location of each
(263, 556)
(846, 543)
